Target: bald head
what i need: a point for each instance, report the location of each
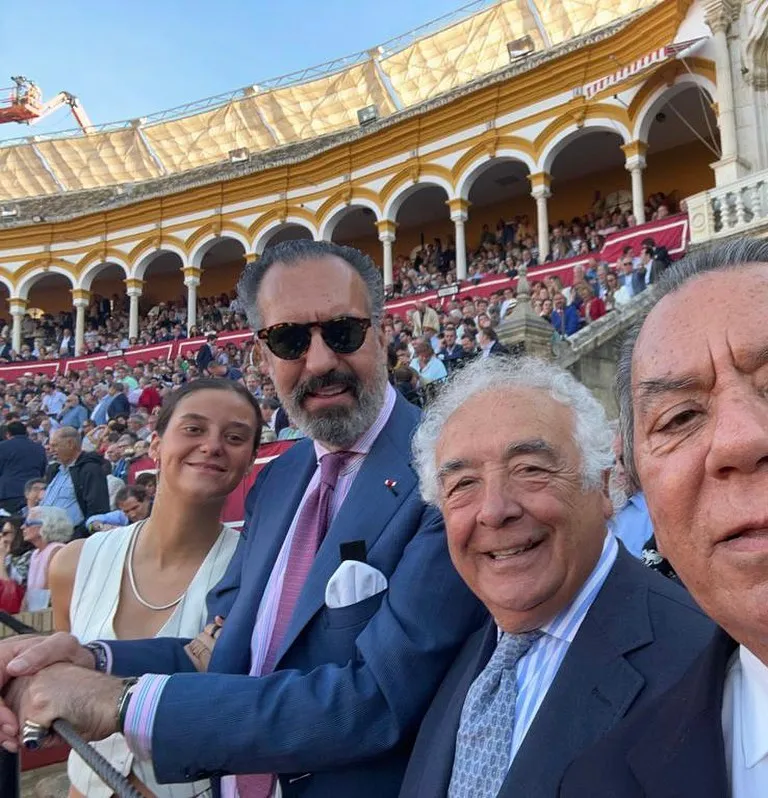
(65, 444)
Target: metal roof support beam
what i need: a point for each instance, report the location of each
(251, 92)
(374, 54)
(533, 8)
(45, 164)
(148, 147)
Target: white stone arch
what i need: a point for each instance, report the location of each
(24, 287)
(276, 226)
(662, 95)
(146, 257)
(336, 214)
(484, 162)
(209, 241)
(392, 205)
(573, 132)
(85, 280)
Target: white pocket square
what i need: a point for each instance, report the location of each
(353, 582)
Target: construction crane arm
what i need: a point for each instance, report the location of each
(24, 103)
(65, 98)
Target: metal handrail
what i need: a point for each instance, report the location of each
(10, 779)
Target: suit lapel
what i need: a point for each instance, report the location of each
(682, 751)
(436, 776)
(594, 687)
(365, 512)
(273, 516)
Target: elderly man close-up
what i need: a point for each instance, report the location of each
(694, 419)
(516, 454)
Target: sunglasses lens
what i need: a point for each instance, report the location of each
(289, 341)
(344, 335)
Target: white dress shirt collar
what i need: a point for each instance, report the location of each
(567, 622)
(754, 707)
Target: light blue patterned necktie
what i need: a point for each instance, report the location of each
(484, 740)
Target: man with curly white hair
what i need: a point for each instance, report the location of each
(516, 454)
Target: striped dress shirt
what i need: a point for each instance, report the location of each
(140, 717)
(538, 668)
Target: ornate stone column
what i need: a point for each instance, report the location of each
(18, 308)
(459, 215)
(134, 289)
(719, 15)
(386, 229)
(540, 183)
(635, 164)
(80, 299)
(191, 280)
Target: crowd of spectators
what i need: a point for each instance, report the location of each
(428, 343)
(78, 443)
(501, 251)
(51, 337)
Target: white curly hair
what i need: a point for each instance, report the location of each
(591, 431)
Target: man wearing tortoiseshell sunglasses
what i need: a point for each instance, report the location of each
(341, 608)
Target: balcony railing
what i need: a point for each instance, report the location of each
(738, 208)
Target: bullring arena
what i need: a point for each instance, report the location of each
(541, 112)
(513, 139)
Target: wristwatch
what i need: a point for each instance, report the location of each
(100, 657)
(124, 700)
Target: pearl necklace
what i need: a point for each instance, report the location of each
(132, 579)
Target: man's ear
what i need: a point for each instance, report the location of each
(608, 508)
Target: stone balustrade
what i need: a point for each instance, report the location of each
(734, 209)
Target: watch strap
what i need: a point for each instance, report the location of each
(124, 700)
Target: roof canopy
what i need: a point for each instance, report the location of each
(399, 75)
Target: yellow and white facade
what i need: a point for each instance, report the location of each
(613, 99)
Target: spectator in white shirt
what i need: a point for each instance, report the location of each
(53, 400)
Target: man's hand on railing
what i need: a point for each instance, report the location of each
(26, 656)
(88, 700)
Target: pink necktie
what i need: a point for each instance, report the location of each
(307, 537)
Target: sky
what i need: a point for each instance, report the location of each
(129, 58)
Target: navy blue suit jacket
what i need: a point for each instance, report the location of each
(20, 460)
(638, 637)
(674, 749)
(339, 715)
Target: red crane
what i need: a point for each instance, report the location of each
(23, 103)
